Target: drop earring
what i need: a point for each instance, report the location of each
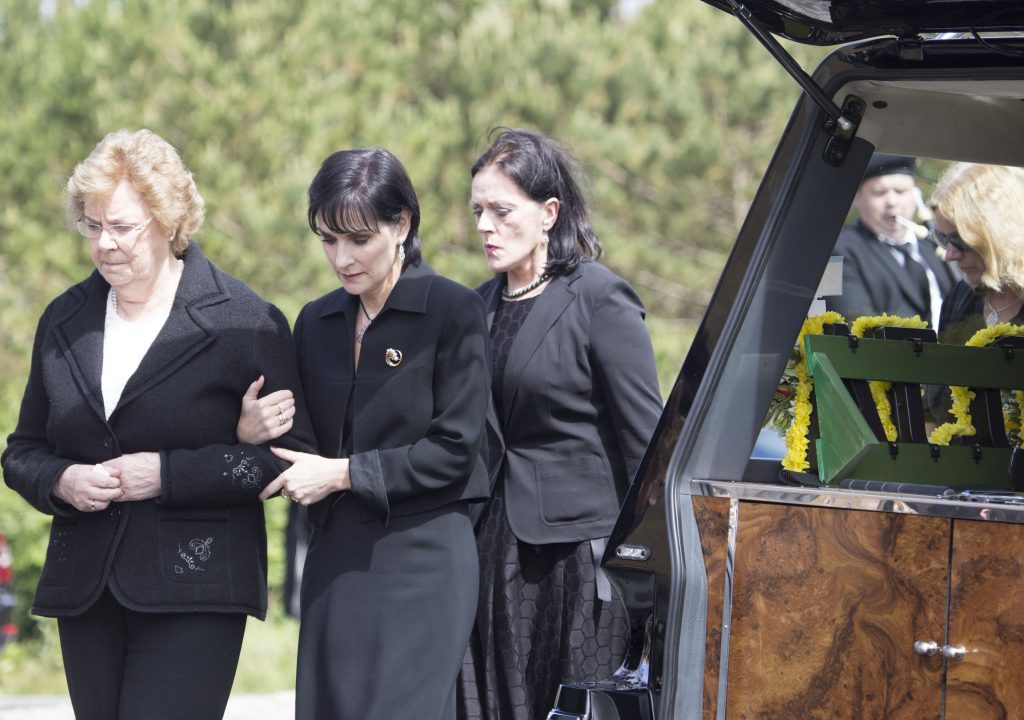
(401, 253)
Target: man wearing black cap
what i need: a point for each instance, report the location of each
(887, 267)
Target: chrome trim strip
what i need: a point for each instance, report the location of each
(730, 564)
(690, 688)
(929, 505)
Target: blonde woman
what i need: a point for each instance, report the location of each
(979, 219)
(126, 438)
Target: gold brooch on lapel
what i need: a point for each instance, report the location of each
(392, 357)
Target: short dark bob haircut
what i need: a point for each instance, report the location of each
(542, 169)
(355, 191)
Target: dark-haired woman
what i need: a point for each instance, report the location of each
(576, 400)
(394, 366)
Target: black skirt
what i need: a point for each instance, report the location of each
(539, 624)
(386, 614)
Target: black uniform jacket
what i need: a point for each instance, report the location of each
(581, 401)
(200, 546)
(874, 282)
(418, 398)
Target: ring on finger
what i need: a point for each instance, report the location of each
(92, 505)
(281, 419)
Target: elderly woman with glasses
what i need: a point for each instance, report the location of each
(127, 438)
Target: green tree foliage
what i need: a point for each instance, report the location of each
(673, 112)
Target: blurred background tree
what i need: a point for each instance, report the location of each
(671, 107)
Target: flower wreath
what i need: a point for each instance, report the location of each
(961, 410)
(880, 388)
(793, 417)
(796, 435)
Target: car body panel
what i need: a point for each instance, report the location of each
(831, 22)
(949, 99)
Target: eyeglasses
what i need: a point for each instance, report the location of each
(92, 231)
(946, 239)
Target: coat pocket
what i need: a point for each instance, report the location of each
(194, 546)
(576, 490)
(58, 566)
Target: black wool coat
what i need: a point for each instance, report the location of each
(581, 401)
(200, 546)
(418, 397)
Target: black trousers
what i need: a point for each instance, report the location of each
(122, 664)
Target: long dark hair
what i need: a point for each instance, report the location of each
(356, 190)
(542, 169)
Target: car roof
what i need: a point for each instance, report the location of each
(830, 22)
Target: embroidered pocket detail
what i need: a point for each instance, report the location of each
(194, 548)
(201, 548)
(199, 553)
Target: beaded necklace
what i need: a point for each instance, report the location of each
(523, 290)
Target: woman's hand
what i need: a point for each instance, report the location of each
(310, 479)
(264, 418)
(88, 488)
(139, 474)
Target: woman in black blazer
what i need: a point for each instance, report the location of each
(575, 403)
(394, 366)
(127, 438)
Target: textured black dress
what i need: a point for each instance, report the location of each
(539, 621)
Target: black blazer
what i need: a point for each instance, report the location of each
(200, 546)
(874, 281)
(581, 401)
(418, 415)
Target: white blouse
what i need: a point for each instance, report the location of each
(124, 345)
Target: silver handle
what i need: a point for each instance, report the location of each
(954, 652)
(926, 648)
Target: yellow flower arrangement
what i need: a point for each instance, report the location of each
(796, 436)
(961, 410)
(880, 388)
(1012, 403)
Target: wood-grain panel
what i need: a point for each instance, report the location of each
(827, 604)
(987, 619)
(712, 517)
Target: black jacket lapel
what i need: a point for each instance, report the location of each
(881, 256)
(491, 293)
(186, 332)
(547, 308)
(80, 335)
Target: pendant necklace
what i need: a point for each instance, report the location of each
(369, 321)
(523, 290)
(993, 313)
